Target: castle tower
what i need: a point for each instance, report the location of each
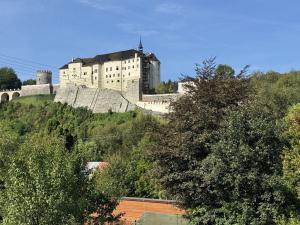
(43, 77)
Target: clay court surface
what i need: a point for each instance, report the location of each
(134, 209)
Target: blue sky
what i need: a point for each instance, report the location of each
(264, 34)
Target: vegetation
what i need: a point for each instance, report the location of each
(29, 82)
(44, 149)
(9, 79)
(220, 155)
(167, 87)
(228, 153)
(35, 100)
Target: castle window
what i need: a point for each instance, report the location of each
(114, 75)
(95, 78)
(128, 74)
(118, 81)
(128, 67)
(110, 68)
(85, 73)
(128, 60)
(118, 74)
(109, 75)
(137, 59)
(95, 70)
(125, 62)
(106, 76)
(133, 67)
(133, 60)
(137, 66)
(112, 81)
(106, 69)
(117, 68)
(107, 82)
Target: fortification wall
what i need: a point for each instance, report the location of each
(155, 106)
(160, 97)
(133, 93)
(97, 100)
(55, 88)
(42, 89)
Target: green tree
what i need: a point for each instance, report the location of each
(225, 71)
(47, 185)
(9, 79)
(167, 87)
(291, 157)
(187, 140)
(243, 174)
(278, 91)
(29, 82)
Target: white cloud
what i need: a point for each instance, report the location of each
(169, 8)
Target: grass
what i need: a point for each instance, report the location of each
(35, 100)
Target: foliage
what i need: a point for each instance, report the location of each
(29, 82)
(39, 186)
(35, 100)
(225, 71)
(220, 153)
(130, 176)
(47, 185)
(95, 137)
(9, 79)
(278, 91)
(291, 155)
(129, 173)
(243, 175)
(166, 87)
(192, 129)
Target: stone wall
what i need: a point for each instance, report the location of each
(133, 93)
(43, 89)
(97, 100)
(160, 97)
(155, 106)
(55, 88)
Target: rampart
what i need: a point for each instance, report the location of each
(97, 100)
(42, 89)
(160, 97)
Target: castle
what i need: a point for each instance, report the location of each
(118, 82)
(115, 71)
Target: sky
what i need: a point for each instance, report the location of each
(46, 34)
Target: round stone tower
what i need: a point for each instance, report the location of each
(43, 77)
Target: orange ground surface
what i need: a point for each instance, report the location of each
(134, 209)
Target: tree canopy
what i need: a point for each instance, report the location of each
(29, 82)
(9, 79)
(220, 153)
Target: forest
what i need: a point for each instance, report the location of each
(228, 153)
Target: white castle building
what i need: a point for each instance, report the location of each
(116, 71)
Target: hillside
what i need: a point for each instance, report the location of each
(34, 100)
(230, 137)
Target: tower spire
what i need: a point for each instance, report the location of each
(141, 48)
